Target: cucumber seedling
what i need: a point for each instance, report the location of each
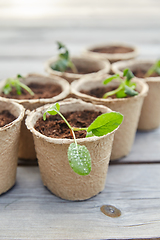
(154, 69)
(78, 155)
(64, 60)
(15, 83)
(126, 87)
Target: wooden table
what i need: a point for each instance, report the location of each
(29, 210)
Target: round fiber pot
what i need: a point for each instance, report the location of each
(9, 140)
(150, 113)
(89, 66)
(56, 173)
(26, 146)
(112, 51)
(130, 108)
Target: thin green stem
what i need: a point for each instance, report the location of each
(79, 129)
(113, 92)
(65, 120)
(26, 88)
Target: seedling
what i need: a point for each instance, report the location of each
(126, 87)
(15, 83)
(64, 60)
(78, 155)
(154, 69)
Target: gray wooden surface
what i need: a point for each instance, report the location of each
(29, 210)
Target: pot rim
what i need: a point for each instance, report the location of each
(56, 79)
(19, 118)
(68, 101)
(113, 56)
(120, 64)
(106, 67)
(78, 83)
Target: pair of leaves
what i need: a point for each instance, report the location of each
(78, 155)
(10, 83)
(154, 69)
(64, 60)
(126, 87)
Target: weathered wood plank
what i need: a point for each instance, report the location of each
(30, 211)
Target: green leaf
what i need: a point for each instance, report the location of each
(53, 110)
(121, 94)
(129, 91)
(158, 71)
(128, 74)
(106, 81)
(79, 159)
(19, 76)
(60, 45)
(105, 123)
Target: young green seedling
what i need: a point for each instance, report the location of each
(78, 155)
(64, 60)
(126, 86)
(11, 82)
(154, 69)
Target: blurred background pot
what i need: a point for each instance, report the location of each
(89, 66)
(26, 145)
(111, 51)
(130, 108)
(150, 113)
(9, 140)
(57, 175)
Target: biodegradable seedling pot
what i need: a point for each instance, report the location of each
(57, 175)
(150, 113)
(26, 146)
(98, 51)
(130, 108)
(9, 140)
(93, 66)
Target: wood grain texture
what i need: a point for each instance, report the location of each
(30, 211)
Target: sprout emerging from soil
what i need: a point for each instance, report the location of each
(78, 155)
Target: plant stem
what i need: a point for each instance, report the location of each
(113, 92)
(26, 88)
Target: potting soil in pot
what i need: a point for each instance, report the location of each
(113, 49)
(47, 90)
(55, 127)
(139, 72)
(81, 70)
(6, 117)
(100, 91)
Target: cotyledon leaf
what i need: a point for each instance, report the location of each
(105, 123)
(79, 159)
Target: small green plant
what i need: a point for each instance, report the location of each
(15, 83)
(78, 155)
(154, 69)
(126, 87)
(64, 60)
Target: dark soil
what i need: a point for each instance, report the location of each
(6, 117)
(55, 127)
(113, 49)
(99, 92)
(47, 90)
(81, 70)
(139, 72)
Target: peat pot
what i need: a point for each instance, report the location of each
(111, 51)
(56, 173)
(130, 108)
(150, 113)
(9, 140)
(26, 145)
(89, 66)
